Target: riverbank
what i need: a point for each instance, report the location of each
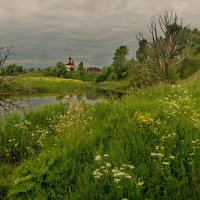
(44, 85)
(145, 146)
(33, 85)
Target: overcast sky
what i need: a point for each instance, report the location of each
(44, 32)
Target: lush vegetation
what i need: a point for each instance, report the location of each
(143, 147)
(168, 54)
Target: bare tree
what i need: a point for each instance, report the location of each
(5, 53)
(6, 104)
(166, 42)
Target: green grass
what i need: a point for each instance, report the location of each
(44, 85)
(146, 146)
(117, 86)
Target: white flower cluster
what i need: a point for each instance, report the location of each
(117, 175)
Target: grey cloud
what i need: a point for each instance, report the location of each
(46, 31)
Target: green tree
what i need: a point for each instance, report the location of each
(119, 61)
(105, 73)
(12, 70)
(81, 67)
(61, 69)
(141, 53)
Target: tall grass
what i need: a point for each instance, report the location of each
(145, 146)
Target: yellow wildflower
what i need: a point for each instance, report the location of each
(145, 119)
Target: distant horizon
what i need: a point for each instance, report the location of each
(46, 32)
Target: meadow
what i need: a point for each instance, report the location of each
(145, 146)
(35, 84)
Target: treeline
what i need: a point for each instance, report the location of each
(171, 52)
(61, 71)
(12, 70)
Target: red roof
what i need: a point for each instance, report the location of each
(70, 63)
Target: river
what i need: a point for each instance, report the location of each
(20, 103)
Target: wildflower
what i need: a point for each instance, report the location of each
(145, 119)
(97, 174)
(115, 171)
(172, 157)
(108, 165)
(128, 176)
(140, 183)
(117, 180)
(16, 144)
(105, 155)
(98, 158)
(195, 141)
(131, 166)
(156, 154)
(165, 163)
(106, 171)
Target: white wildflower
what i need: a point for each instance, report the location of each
(98, 158)
(165, 163)
(128, 176)
(140, 183)
(108, 165)
(117, 180)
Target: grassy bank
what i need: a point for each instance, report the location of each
(44, 85)
(116, 86)
(146, 146)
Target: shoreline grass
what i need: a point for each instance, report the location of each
(45, 85)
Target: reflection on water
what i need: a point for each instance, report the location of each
(19, 104)
(110, 94)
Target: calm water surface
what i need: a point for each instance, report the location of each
(22, 103)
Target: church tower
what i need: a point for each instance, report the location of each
(70, 65)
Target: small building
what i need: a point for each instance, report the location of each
(93, 69)
(70, 65)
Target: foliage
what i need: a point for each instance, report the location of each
(80, 67)
(105, 73)
(119, 61)
(141, 53)
(12, 70)
(170, 44)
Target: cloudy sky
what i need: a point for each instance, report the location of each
(44, 32)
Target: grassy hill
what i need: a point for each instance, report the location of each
(146, 146)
